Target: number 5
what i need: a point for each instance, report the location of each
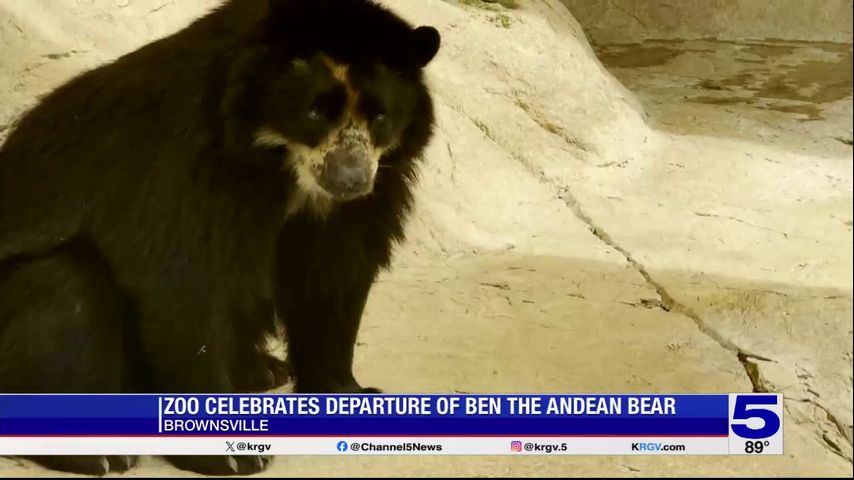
(742, 412)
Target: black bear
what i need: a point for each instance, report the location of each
(163, 214)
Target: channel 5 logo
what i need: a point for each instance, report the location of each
(756, 416)
(756, 424)
(516, 446)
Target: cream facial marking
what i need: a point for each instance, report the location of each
(309, 195)
(267, 137)
(341, 73)
(300, 64)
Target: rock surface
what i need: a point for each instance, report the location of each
(572, 233)
(621, 21)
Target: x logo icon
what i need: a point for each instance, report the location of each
(229, 446)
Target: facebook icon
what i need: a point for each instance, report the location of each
(342, 446)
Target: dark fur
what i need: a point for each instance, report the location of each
(143, 243)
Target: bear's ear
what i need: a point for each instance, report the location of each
(425, 45)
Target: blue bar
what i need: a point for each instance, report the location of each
(78, 406)
(119, 415)
(147, 406)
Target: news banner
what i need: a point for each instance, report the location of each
(379, 424)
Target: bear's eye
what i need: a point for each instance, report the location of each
(373, 109)
(377, 113)
(328, 105)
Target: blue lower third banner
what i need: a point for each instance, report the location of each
(724, 424)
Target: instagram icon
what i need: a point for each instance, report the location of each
(516, 446)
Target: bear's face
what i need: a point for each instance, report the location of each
(342, 87)
(336, 121)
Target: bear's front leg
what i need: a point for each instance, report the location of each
(190, 346)
(322, 315)
(321, 334)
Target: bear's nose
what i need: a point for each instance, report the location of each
(347, 172)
